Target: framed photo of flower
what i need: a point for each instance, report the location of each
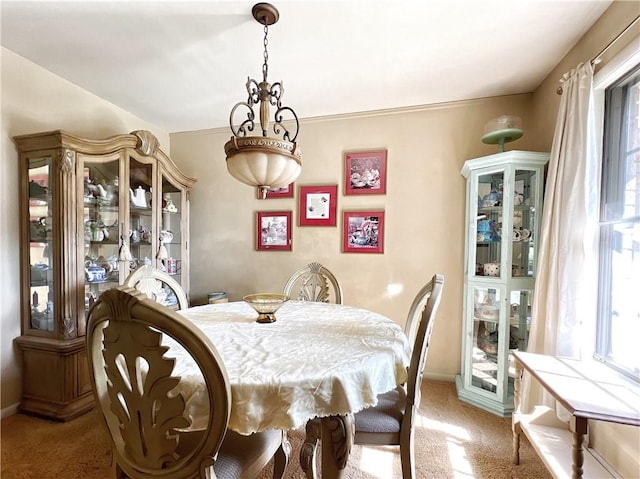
(285, 192)
(363, 231)
(273, 230)
(365, 173)
(318, 205)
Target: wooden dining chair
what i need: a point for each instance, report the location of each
(158, 285)
(390, 421)
(133, 345)
(312, 283)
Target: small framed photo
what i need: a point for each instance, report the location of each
(318, 205)
(363, 231)
(365, 173)
(273, 230)
(285, 192)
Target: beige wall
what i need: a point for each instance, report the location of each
(424, 212)
(35, 100)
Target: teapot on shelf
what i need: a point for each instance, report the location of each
(94, 273)
(140, 197)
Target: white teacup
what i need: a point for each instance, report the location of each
(517, 235)
(525, 234)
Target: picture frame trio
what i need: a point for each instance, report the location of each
(363, 231)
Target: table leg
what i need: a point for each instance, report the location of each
(578, 429)
(515, 418)
(309, 447)
(337, 434)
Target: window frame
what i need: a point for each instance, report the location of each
(608, 84)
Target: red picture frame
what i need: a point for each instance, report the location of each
(318, 205)
(273, 230)
(365, 172)
(363, 231)
(286, 192)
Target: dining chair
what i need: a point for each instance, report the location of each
(391, 421)
(133, 345)
(158, 285)
(311, 283)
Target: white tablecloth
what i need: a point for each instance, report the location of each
(317, 359)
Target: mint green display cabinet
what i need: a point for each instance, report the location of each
(502, 231)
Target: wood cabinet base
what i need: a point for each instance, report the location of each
(55, 378)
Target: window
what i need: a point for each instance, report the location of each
(618, 331)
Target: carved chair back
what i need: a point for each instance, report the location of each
(131, 374)
(314, 282)
(158, 285)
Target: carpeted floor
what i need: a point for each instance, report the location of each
(453, 440)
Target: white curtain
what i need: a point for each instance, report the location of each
(564, 306)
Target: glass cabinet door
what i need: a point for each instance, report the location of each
(101, 223)
(524, 223)
(486, 338)
(142, 224)
(489, 219)
(171, 241)
(41, 235)
(488, 327)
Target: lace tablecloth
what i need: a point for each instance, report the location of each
(317, 359)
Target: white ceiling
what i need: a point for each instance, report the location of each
(182, 65)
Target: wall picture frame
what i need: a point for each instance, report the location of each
(284, 192)
(363, 231)
(318, 205)
(273, 230)
(365, 172)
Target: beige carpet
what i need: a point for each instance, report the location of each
(453, 440)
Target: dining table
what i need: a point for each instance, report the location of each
(317, 359)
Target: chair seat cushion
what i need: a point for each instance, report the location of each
(384, 417)
(238, 452)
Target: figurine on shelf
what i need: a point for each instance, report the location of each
(169, 206)
(518, 199)
(145, 234)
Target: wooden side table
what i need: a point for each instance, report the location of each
(588, 390)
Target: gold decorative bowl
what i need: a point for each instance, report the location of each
(266, 304)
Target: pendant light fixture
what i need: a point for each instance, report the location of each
(265, 162)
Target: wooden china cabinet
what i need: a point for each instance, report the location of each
(92, 211)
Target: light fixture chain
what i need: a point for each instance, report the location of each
(265, 67)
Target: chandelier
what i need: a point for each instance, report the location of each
(263, 161)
